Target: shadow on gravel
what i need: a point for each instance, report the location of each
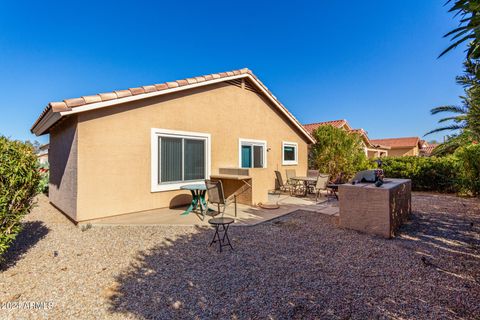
(296, 267)
(32, 232)
(444, 237)
(185, 278)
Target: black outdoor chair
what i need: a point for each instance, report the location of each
(216, 196)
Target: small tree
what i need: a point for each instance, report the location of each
(19, 181)
(337, 151)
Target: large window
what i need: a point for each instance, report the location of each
(178, 158)
(289, 153)
(253, 154)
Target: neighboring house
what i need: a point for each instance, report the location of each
(131, 150)
(371, 150)
(427, 149)
(42, 154)
(399, 147)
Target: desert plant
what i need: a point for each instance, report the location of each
(336, 152)
(19, 181)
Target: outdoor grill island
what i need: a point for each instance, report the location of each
(375, 210)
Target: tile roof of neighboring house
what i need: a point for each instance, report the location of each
(428, 149)
(336, 123)
(340, 124)
(398, 142)
(91, 102)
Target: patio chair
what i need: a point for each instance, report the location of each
(296, 187)
(322, 182)
(216, 195)
(281, 185)
(290, 173)
(312, 174)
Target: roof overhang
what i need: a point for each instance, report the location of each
(52, 116)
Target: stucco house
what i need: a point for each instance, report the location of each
(131, 150)
(400, 147)
(371, 150)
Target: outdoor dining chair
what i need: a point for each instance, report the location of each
(322, 182)
(312, 174)
(216, 196)
(290, 173)
(280, 184)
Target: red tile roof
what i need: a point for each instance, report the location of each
(70, 104)
(336, 123)
(428, 149)
(397, 142)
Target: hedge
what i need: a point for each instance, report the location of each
(427, 173)
(19, 183)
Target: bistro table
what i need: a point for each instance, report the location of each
(198, 197)
(305, 181)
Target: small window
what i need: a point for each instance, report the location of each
(289, 153)
(252, 154)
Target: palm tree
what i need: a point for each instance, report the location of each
(469, 29)
(466, 116)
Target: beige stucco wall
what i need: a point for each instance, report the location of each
(62, 158)
(114, 165)
(402, 152)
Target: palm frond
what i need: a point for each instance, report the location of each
(452, 109)
(454, 118)
(446, 128)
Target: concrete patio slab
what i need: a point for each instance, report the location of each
(246, 215)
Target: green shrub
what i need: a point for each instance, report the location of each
(337, 151)
(45, 176)
(469, 164)
(19, 182)
(427, 173)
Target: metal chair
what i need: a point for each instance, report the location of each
(281, 185)
(312, 174)
(290, 173)
(216, 195)
(322, 182)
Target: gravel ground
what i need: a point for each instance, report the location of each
(299, 266)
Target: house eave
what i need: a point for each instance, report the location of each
(51, 117)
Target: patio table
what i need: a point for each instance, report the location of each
(305, 180)
(198, 197)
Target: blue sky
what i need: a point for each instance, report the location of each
(373, 63)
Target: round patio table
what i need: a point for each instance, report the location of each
(198, 197)
(305, 181)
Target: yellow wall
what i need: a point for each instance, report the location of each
(402, 152)
(62, 158)
(114, 165)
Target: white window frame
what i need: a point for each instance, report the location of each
(289, 162)
(155, 161)
(252, 142)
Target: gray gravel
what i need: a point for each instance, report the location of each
(299, 266)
